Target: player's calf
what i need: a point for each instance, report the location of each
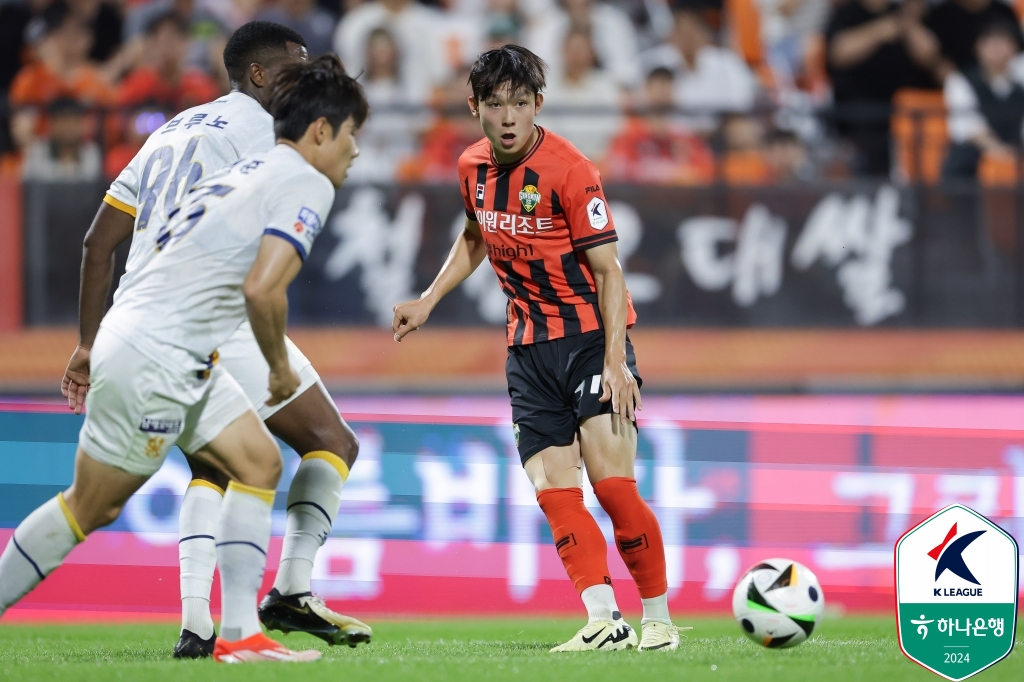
(42, 541)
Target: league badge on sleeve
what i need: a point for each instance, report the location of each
(308, 221)
(956, 593)
(597, 213)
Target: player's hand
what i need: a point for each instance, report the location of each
(619, 386)
(283, 384)
(410, 316)
(75, 383)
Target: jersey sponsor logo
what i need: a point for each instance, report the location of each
(480, 191)
(492, 221)
(529, 196)
(597, 213)
(502, 252)
(515, 433)
(592, 189)
(308, 220)
(156, 425)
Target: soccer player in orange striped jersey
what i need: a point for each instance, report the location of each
(535, 207)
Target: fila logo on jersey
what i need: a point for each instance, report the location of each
(530, 197)
(597, 213)
(308, 220)
(949, 557)
(480, 192)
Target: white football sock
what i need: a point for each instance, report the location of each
(313, 501)
(38, 546)
(600, 603)
(197, 554)
(656, 609)
(243, 534)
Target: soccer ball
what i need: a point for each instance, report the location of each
(778, 603)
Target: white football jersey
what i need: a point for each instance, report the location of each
(192, 145)
(186, 300)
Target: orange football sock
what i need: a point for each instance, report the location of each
(578, 538)
(637, 534)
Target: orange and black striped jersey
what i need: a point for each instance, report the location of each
(538, 217)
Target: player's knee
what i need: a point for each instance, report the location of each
(97, 517)
(341, 441)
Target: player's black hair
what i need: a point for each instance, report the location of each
(257, 42)
(304, 92)
(510, 67)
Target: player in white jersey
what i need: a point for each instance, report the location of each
(229, 250)
(193, 145)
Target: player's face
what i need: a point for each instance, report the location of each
(507, 121)
(338, 152)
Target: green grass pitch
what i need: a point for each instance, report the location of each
(845, 649)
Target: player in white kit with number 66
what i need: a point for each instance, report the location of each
(229, 250)
(191, 146)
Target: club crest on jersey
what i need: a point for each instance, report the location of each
(480, 191)
(597, 213)
(529, 196)
(308, 220)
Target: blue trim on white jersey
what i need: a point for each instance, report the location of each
(288, 238)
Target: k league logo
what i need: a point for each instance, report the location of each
(956, 593)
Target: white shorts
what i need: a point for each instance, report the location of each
(138, 409)
(242, 358)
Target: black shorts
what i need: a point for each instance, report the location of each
(554, 385)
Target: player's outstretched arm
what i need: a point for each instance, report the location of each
(109, 229)
(266, 301)
(466, 255)
(617, 382)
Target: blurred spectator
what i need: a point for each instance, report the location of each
(389, 136)
(708, 78)
(744, 161)
(583, 102)
(958, 23)
(876, 47)
(207, 32)
(137, 129)
(416, 30)
(655, 146)
(106, 23)
(787, 157)
(614, 38)
(14, 19)
(15, 16)
(454, 129)
(65, 154)
(60, 67)
(786, 29)
(164, 78)
(312, 22)
(985, 103)
(503, 23)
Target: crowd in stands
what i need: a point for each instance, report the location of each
(675, 92)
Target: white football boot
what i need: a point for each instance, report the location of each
(657, 635)
(603, 635)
